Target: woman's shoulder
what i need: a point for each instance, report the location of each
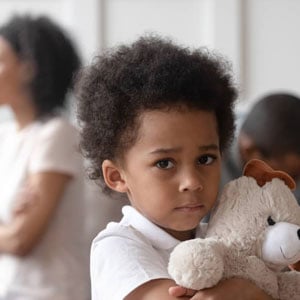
(7, 132)
(58, 130)
(7, 127)
(58, 124)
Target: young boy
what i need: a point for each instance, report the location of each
(155, 119)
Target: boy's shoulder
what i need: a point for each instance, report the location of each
(134, 228)
(121, 233)
(119, 230)
(123, 255)
(124, 232)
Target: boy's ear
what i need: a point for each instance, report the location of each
(113, 176)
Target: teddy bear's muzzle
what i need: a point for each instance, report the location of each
(281, 244)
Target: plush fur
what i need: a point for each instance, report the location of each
(253, 233)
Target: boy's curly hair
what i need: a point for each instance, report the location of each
(152, 73)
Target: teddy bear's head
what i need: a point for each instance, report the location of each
(258, 215)
(253, 233)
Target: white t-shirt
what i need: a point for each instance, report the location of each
(55, 268)
(128, 254)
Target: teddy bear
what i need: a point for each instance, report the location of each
(253, 233)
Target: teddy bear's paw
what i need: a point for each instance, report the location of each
(289, 285)
(196, 264)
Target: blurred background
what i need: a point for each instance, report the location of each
(259, 37)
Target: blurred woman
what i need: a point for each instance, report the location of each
(41, 172)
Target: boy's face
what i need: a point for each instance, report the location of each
(172, 172)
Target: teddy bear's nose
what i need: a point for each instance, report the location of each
(298, 232)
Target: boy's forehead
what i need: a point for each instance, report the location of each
(176, 110)
(173, 123)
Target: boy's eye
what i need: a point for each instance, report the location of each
(164, 164)
(206, 159)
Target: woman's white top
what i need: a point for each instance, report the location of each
(55, 268)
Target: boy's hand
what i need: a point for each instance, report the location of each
(296, 266)
(235, 288)
(179, 291)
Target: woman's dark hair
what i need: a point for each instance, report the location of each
(52, 54)
(273, 124)
(150, 74)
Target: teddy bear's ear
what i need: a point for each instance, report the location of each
(263, 173)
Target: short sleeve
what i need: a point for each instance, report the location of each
(119, 265)
(56, 149)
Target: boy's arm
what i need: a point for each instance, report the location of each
(153, 290)
(234, 288)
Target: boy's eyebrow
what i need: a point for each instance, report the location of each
(209, 147)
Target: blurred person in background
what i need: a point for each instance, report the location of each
(270, 132)
(42, 246)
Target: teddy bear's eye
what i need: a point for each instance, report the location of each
(271, 221)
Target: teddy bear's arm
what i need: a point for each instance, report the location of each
(289, 285)
(197, 264)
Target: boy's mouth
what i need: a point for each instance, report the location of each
(190, 207)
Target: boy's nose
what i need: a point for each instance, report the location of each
(190, 181)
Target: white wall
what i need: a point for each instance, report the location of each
(195, 23)
(272, 46)
(260, 37)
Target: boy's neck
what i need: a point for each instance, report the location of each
(182, 235)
